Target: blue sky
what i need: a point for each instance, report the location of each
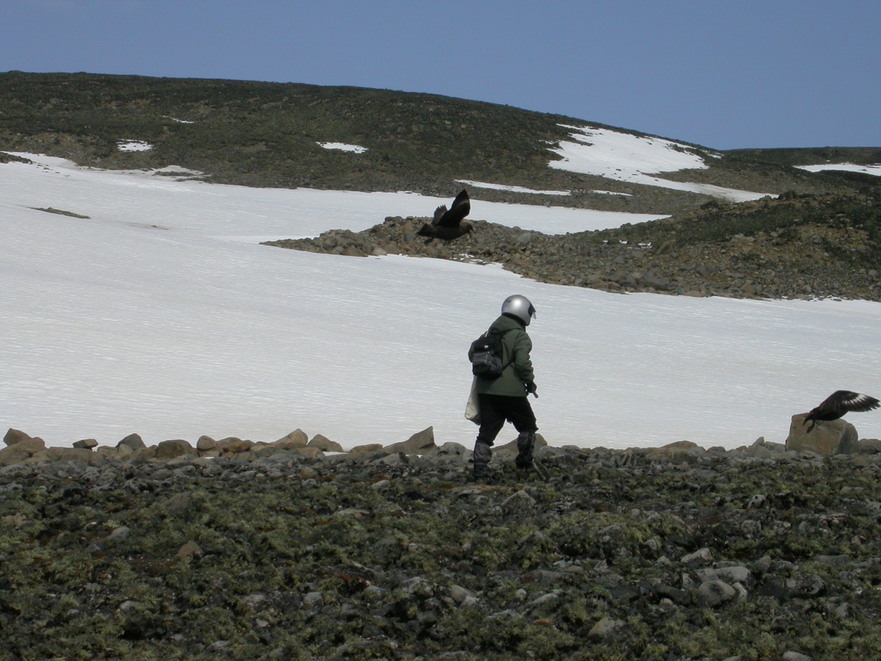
(725, 74)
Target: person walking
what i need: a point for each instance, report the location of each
(504, 398)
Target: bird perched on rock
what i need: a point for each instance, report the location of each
(839, 403)
(449, 224)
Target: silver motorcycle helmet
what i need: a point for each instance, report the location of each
(519, 306)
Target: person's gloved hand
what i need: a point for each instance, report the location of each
(531, 388)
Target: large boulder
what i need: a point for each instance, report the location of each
(870, 445)
(233, 445)
(827, 438)
(419, 443)
(132, 442)
(14, 436)
(367, 449)
(20, 450)
(296, 439)
(84, 455)
(511, 449)
(174, 448)
(324, 444)
(677, 452)
(763, 449)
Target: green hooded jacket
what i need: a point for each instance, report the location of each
(515, 355)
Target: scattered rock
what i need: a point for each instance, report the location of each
(256, 553)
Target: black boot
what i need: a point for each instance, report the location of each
(482, 455)
(525, 449)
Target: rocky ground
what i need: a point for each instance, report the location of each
(798, 246)
(234, 550)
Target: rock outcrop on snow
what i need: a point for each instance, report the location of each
(790, 247)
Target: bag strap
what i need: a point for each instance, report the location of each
(502, 340)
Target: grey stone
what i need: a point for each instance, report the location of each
(14, 436)
(765, 449)
(510, 448)
(205, 444)
(827, 438)
(419, 443)
(69, 454)
(519, 500)
(714, 593)
(118, 534)
(701, 555)
(733, 574)
(21, 450)
(132, 441)
(296, 438)
(870, 445)
(450, 451)
(677, 452)
(796, 656)
(605, 627)
(459, 594)
(174, 448)
(325, 444)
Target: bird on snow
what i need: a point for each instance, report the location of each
(449, 224)
(839, 403)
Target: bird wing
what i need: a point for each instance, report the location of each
(854, 401)
(439, 214)
(842, 401)
(460, 208)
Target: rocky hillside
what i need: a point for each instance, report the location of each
(789, 247)
(283, 551)
(270, 134)
(815, 235)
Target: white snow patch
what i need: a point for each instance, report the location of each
(521, 189)
(513, 189)
(133, 145)
(634, 158)
(275, 213)
(611, 192)
(341, 146)
(874, 169)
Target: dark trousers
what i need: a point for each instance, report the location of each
(496, 409)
